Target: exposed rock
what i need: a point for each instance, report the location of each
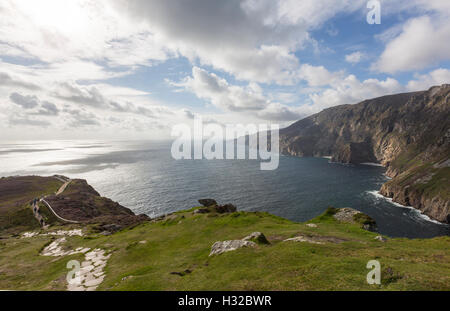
(227, 246)
(311, 225)
(380, 238)
(257, 237)
(346, 214)
(212, 206)
(303, 239)
(227, 208)
(435, 207)
(315, 239)
(207, 202)
(408, 133)
(350, 215)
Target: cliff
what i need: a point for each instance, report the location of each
(407, 133)
(77, 202)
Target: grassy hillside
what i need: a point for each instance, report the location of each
(173, 254)
(16, 193)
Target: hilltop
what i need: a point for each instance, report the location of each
(73, 200)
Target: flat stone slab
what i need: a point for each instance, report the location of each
(228, 246)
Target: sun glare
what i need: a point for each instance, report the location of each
(69, 16)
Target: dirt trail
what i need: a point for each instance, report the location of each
(60, 190)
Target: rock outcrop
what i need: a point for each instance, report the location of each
(350, 215)
(211, 205)
(251, 240)
(228, 246)
(407, 133)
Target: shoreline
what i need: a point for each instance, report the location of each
(377, 194)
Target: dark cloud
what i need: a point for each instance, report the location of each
(27, 101)
(31, 101)
(80, 118)
(30, 122)
(89, 96)
(48, 109)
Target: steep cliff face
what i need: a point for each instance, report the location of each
(407, 133)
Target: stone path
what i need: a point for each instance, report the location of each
(91, 272)
(55, 249)
(72, 232)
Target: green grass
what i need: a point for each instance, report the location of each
(183, 241)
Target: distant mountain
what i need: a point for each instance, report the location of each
(407, 133)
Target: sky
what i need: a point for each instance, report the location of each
(131, 69)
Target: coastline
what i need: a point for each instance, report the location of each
(419, 213)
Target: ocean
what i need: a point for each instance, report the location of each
(142, 175)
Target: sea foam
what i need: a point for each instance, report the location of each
(419, 213)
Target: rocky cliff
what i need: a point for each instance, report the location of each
(407, 133)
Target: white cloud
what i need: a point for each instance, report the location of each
(423, 82)
(318, 75)
(423, 42)
(248, 99)
(73, 48)
(351, 91)
(228, 97)
(354, 57)
(252, 40)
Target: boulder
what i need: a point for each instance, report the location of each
(311, 225)
(380, 238)
(227, 246)
(257, 237)
(207, 202)
(227, 208)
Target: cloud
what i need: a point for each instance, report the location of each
(48, 109)
(422, 42)
(7, 80)
(81, 118)
(425, 81)
(29, 102)
(279, 112)
(354, 57)
(26, 102)
(318, 75)
(228, 97)
(351, 91)
(16, 121)
(252, 40)
(233, 98)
